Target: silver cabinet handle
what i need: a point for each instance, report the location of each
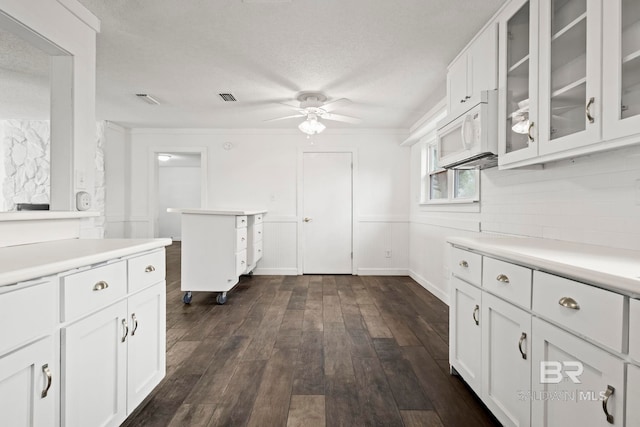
(244, 220)
(587, 110)
(125, 330)
(569, 303)
(522, 338)
(149, 269)
(242, 262)
(531, 138)
(476, 310)
(605, 401)
(47, 373)
(463, 264)
(502, 278)
(307, 219)
(100, 285)
(135, 324)
(242, 239)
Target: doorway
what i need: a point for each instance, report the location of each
(327, 212)
(180, 182)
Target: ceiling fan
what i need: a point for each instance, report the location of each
(313, 107)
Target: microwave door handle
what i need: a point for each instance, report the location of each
(465, 142)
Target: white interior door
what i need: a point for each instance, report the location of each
(327, 213)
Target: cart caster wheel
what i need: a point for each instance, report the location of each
(186, 298)
(221, 298)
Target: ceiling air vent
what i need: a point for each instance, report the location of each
(227, 97)
(147, 98)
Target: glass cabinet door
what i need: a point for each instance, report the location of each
(621, 62)
(630, 73)
(518, 81)
(569, 74)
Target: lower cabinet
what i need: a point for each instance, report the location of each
(574, 382)
(633, 395)
(28, 380)
(113, 358)
(506, 360)
(465, 330)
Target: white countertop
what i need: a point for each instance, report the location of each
(199, 211)
(609, 268)
(38, 215)
(26, 262)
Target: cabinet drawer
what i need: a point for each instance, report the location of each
(257, 219)
(255, 253)
(466, 265)
(26, 314)
(596, 313)
(92, 289)
(257, 232)
(241, 262)
(145, 270)
(241, 221)
(509, 281)
(634, 329)
(241, 239)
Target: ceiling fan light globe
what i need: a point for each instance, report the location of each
(311, 126)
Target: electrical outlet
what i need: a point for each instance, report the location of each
(387, 253)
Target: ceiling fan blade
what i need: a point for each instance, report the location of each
(330, 106)
(286, 117)
(341, 118)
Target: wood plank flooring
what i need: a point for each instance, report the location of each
(308, 351)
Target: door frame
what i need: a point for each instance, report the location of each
(300, 195)
(153, 184)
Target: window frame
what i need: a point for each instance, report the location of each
(429, 167)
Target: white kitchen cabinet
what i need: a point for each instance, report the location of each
(254, 241)
(465, 330)
(518, 82)
(29, 380)
(94, 365)
(633, 395)
(475, 70)
(506, 360)
(570, 75)
(574, 382)
(621, 63)
(146, 357)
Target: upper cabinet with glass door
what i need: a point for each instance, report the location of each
(570, 63)
(518, 82)
(621, 21)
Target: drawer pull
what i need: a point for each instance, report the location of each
(569, 303)
(135, 324)
(587, 110)
(244, 220)
(502, 278)
(259, 250)
(125, 330)
(605, 401)
(47, 373)
(522, 338)
(476, 310)
(100, 285)
(259, 232)
(149, 269)
(242, 239)
(242, 262)
(463, 264)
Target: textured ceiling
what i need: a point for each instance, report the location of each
(388, 57)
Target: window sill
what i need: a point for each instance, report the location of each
(449, 202)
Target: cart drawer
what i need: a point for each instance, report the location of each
(257, 219)
(241, 262)
(257, 232)
(241, 239)
(241, 221)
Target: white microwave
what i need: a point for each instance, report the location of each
(470, 140)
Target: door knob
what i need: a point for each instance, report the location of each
(307, 219)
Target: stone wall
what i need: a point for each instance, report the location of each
(25, 152)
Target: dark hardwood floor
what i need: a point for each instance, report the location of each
(308, 351)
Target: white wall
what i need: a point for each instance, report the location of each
(178, 187)
(593, 200)
(116, 159)
(261, 170)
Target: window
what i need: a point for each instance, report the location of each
(446, 185)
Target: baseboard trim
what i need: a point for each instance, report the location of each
(442, 296)
(275, 271)
(383, 272)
